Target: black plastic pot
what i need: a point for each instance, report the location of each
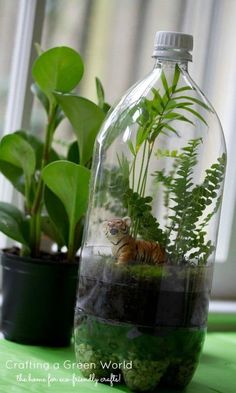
(38, 300)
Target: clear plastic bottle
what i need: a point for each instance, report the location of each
(151, 229)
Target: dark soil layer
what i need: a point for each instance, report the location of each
(145, 295)
(143, 304)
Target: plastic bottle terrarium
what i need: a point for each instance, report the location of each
(151, 229)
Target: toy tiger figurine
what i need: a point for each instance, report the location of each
(126, 249)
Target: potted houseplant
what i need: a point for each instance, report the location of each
(148, 251)
(38, 286)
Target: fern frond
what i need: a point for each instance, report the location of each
(143, 222)
(156, 115)
(187, 228)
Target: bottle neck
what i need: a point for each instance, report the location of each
(163, 63)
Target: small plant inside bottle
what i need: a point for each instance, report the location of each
(182, 239)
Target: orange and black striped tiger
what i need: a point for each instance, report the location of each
(126, 249)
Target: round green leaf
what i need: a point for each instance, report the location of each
(18, 152)
(57, 214)
(59, 68)
(52, 231)
(86, 119)
(14, 174)
(37, 146)
(70, 183)
(12, 222)
(73, 153)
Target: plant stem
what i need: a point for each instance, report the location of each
(132, 186)
(150, 150)
(37, 203)
(144, 182)
(35, 234)
(142, 165)
(133, 170)
(143, 176)
(27, 193)
(71, 251)
(136, 221)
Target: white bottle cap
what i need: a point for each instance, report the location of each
(172, 45)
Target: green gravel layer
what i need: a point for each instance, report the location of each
(143, 357)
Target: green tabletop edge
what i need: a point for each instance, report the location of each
(216, 371)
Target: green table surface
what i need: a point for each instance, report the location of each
(216, 371)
